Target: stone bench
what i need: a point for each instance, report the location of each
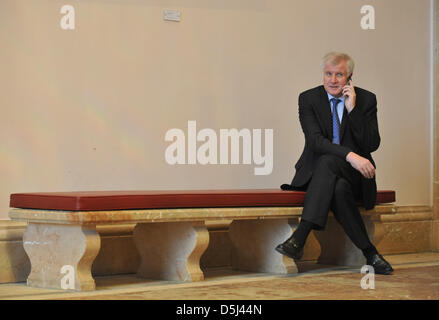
(171, 234)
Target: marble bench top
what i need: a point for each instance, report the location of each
(167, 215)
(125, 200)
(114, 207)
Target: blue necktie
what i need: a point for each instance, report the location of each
(335, 121)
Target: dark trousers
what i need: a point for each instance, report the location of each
(336, 185)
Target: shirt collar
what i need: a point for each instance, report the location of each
(332, 97)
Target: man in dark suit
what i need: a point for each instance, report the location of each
(336, 168)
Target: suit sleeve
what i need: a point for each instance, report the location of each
(314, 134)
(364, 124)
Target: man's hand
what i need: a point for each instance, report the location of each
(350, 96)
(361, 164)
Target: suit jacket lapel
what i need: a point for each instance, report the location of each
(344, 121)
(323, 108)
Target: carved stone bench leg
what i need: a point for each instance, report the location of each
(171, 250)
(338, 249)
(61, 256)
(254, 243)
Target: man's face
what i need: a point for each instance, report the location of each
(335, 78)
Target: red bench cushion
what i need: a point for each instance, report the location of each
(121, 200)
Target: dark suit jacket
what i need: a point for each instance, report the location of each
(358, 133)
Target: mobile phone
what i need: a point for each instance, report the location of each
(347, 83)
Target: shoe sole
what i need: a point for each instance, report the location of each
(387, 272)
(384, 272)
(285, 253)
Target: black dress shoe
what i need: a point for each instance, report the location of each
(379, 264)
(291, 248)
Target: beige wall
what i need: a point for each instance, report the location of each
(88, 109)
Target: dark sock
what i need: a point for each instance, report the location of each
(302, 231)
(369, 251)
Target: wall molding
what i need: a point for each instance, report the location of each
(13, 230)
(409, 214)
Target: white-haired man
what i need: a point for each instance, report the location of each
(336, 168)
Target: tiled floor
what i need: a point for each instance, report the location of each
(416, 276)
